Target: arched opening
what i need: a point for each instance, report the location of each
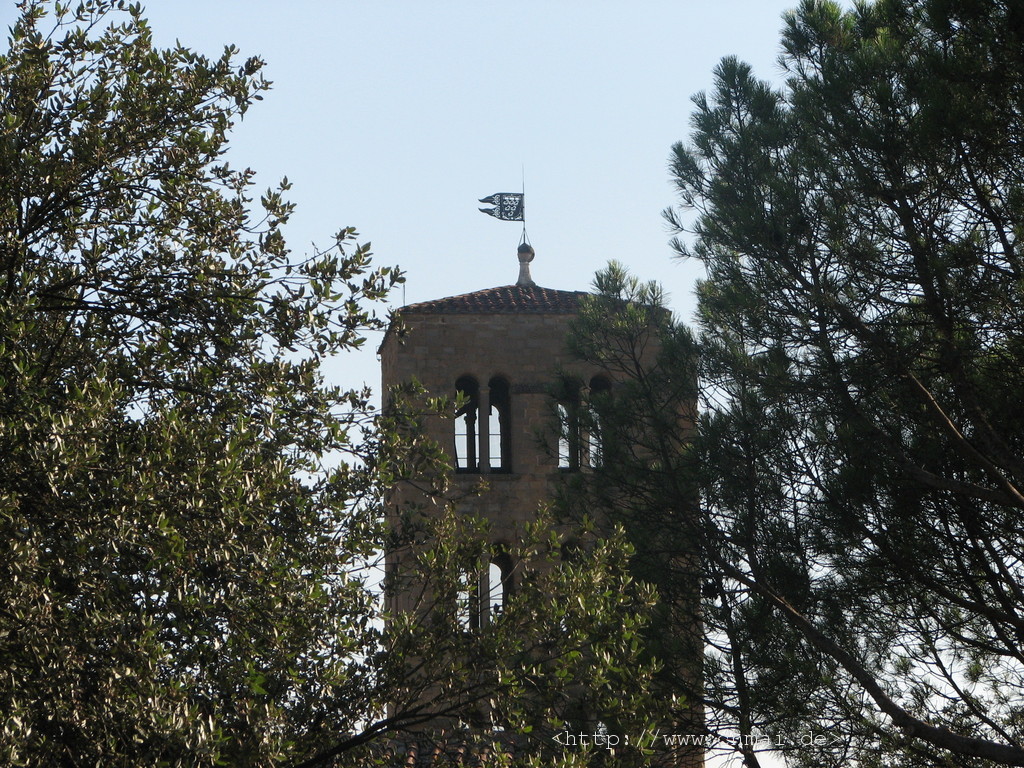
(567, 409)
(600, 388)
(496, 591)
(468, 608)
(467, 438)
(499, 425)
(499, 582)
(484, 594)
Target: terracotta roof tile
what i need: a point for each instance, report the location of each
(504, 299)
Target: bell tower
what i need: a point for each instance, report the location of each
(501, 350)
(504, 353)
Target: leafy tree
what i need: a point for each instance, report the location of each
(861, 445)
(189, 512)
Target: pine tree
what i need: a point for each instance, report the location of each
(861, 451)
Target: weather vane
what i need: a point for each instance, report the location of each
(508, 206)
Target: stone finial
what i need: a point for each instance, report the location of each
(526, 254)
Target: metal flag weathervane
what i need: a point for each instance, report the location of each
(508, 206)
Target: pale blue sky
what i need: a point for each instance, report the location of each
(395, 116)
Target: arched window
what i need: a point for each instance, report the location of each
(467, 437)
(499, 581)
(499, 425)
(483, 595)
(468, 605)
(600, 388)
(564, 436)
(567, 409)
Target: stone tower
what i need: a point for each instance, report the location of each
(505, 351)
(501, 349)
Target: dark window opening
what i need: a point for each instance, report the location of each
(567, 408)
(483, 595)
(565, 452)
(600, 388)
(499, 581)
(468, 601)
(499, 426)
(467, 437)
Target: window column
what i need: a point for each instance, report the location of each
(485, 430)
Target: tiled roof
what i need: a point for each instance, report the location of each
(504, 299)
